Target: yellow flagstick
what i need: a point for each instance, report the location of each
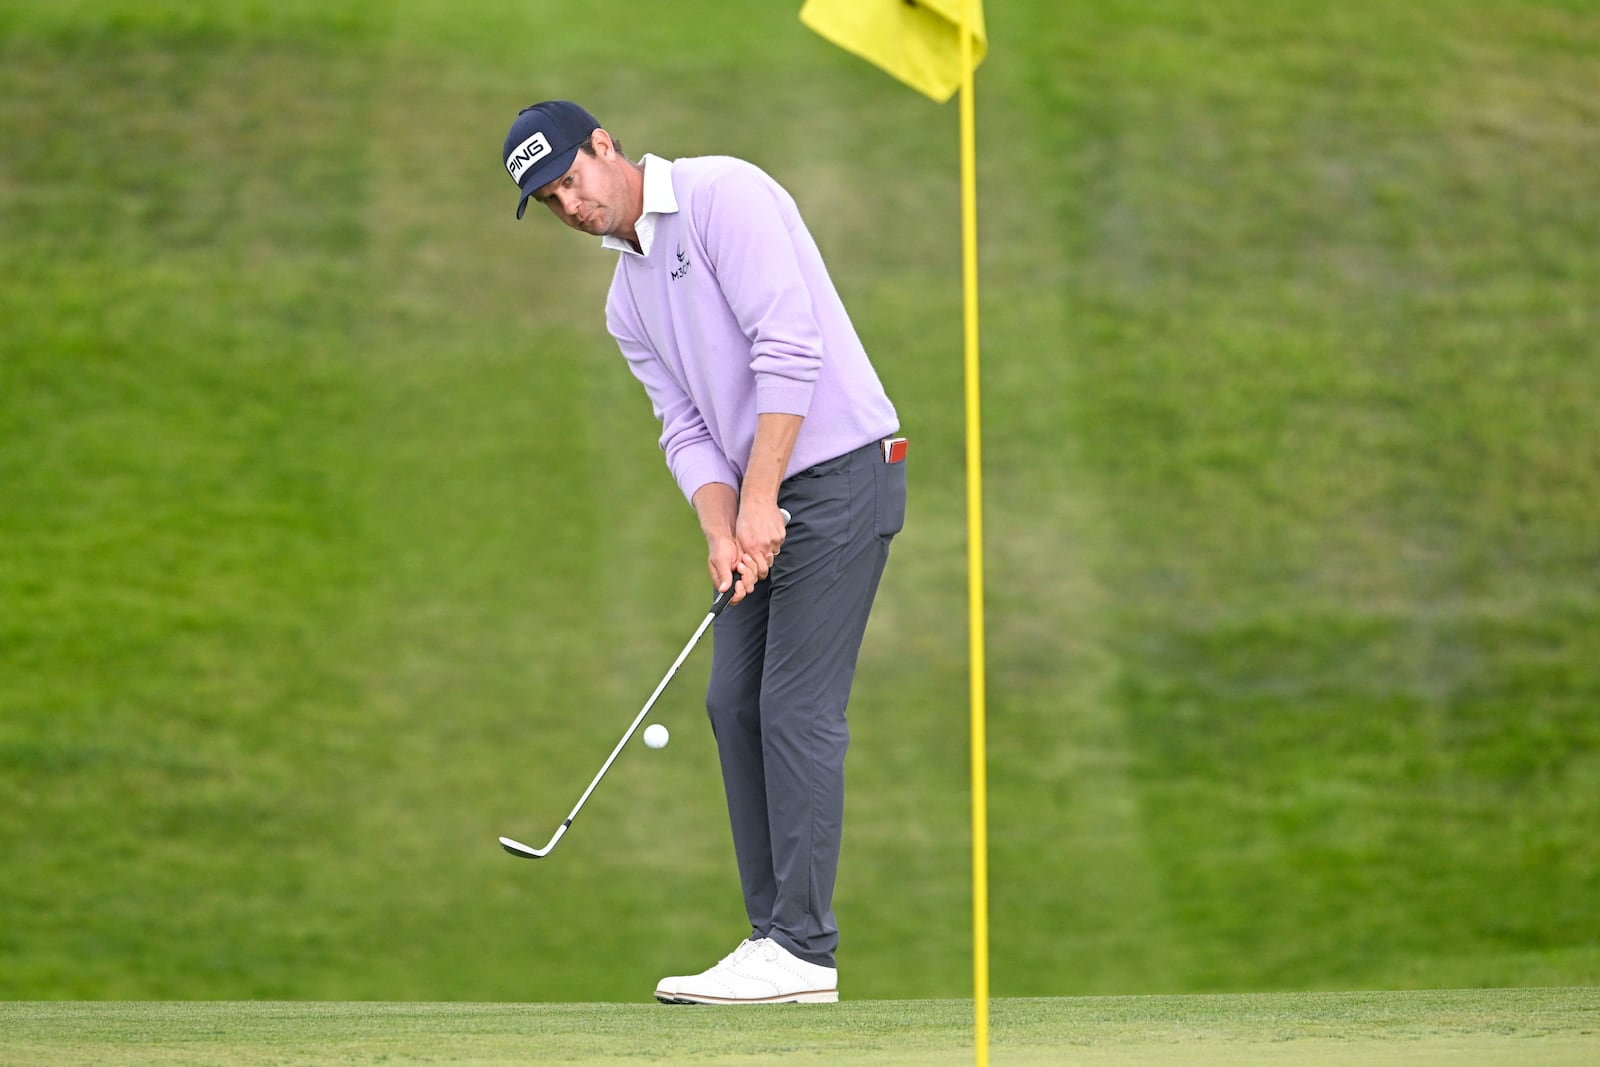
(980, 786)
(911, 41)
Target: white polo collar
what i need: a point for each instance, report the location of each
(659, 199)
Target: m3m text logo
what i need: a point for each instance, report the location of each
(683, 266)
(526, 155)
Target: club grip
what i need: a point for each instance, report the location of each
(727, 594)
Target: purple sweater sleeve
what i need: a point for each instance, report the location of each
(690, 451)
(746, 224)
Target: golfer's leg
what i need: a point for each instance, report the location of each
(806, 735)
(820, 604)
(733, 701)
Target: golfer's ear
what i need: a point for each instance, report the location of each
(604, 146)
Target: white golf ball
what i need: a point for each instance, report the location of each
(655, 735)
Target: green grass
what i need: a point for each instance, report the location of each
(1526, 1028)
(334, 541)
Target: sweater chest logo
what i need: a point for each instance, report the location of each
(683, 265)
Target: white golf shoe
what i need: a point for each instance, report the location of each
(757, 972)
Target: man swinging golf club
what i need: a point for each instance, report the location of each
(725, 312)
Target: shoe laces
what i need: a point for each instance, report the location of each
(743, 952)
(764, 949)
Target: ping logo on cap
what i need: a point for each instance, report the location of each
(526, 155)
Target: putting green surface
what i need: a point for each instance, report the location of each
(1528, 1028)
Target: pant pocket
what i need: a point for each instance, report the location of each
(891, 503)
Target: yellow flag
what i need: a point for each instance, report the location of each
(917, 41)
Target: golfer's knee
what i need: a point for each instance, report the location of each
(732, 706)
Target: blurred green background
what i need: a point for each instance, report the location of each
(334, 540)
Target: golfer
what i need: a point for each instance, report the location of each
(724, 311)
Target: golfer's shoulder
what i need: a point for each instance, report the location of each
(700, 170)
(703, 178)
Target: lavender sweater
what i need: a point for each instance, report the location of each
(730, 314)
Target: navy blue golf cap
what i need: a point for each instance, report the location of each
(543, 142)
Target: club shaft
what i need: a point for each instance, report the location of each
(632, 727)
(639, 718)
(518, 848)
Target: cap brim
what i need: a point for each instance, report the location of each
(546, 172)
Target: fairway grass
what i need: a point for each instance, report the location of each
(1529, 1028)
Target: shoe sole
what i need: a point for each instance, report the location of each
(815, 996)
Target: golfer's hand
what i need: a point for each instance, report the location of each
(760, 531)
(725, 562)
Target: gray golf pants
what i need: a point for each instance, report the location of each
(782, 664)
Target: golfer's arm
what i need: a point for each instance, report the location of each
(717, 505)
(769, 458)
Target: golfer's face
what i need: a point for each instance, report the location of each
(589, 196)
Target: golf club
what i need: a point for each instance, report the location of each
(517, 848)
